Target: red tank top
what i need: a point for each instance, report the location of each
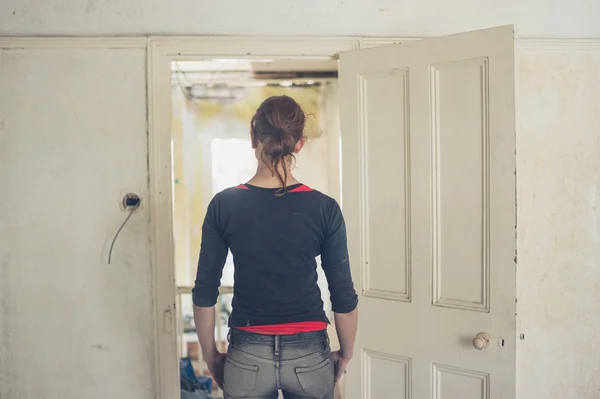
(287, 328)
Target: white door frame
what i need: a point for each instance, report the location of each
(161, 52)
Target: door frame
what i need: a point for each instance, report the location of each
(162, 50)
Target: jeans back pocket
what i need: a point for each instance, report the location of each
(240, 379)
(317, 381)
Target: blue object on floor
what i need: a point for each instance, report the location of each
(194, 395)
(189, 381)
(205, 382)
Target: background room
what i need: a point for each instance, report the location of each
(212, 104)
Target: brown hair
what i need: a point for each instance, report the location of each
(278, 125)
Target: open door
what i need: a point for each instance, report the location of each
(428, 154)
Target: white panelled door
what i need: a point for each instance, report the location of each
(428, 141)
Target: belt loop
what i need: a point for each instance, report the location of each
(229, 337)
(277, 347)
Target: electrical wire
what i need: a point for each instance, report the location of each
(180, 84)
(180, 72)
(183, 89)
(118, 231)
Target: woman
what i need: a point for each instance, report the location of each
(275, 227)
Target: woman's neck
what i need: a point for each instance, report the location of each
(265, 177)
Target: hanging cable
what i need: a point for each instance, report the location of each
(133, 209)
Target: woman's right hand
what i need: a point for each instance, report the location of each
(341, 363)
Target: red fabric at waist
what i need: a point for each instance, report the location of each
(287, 328)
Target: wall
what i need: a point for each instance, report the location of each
(558, 167)
(72, 126)
(72, 142)
(546, 18)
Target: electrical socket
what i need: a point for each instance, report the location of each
(130, 202)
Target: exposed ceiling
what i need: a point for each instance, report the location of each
(236, 72)
(256, 65)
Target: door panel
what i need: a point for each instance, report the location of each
(382, 368)
(428, 132)
(381, 147)
(454, 383)
(460, 137)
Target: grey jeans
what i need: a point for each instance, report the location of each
(258, 366)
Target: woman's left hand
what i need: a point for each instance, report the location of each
(216, 366)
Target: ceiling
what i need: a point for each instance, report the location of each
(256, 65)
(238, 72)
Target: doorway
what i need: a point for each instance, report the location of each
(212, 104)
(420, 96)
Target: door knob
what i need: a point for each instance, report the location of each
(482, 341)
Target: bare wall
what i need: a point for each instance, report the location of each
(72, 140)
(547, 18)
(558, 168)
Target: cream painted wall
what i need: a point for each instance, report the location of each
(548, 18)
(73, 125)
(72, 142)
(558, 169)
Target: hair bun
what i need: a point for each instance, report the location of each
(278, 125)
(265, 129)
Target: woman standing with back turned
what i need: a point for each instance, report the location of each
(275, 227)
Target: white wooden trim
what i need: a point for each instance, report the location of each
(369, 42)
(161, 223)
(186, 47)
(559, 45)
(8, 43)
(525, 44)
(161, 52)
